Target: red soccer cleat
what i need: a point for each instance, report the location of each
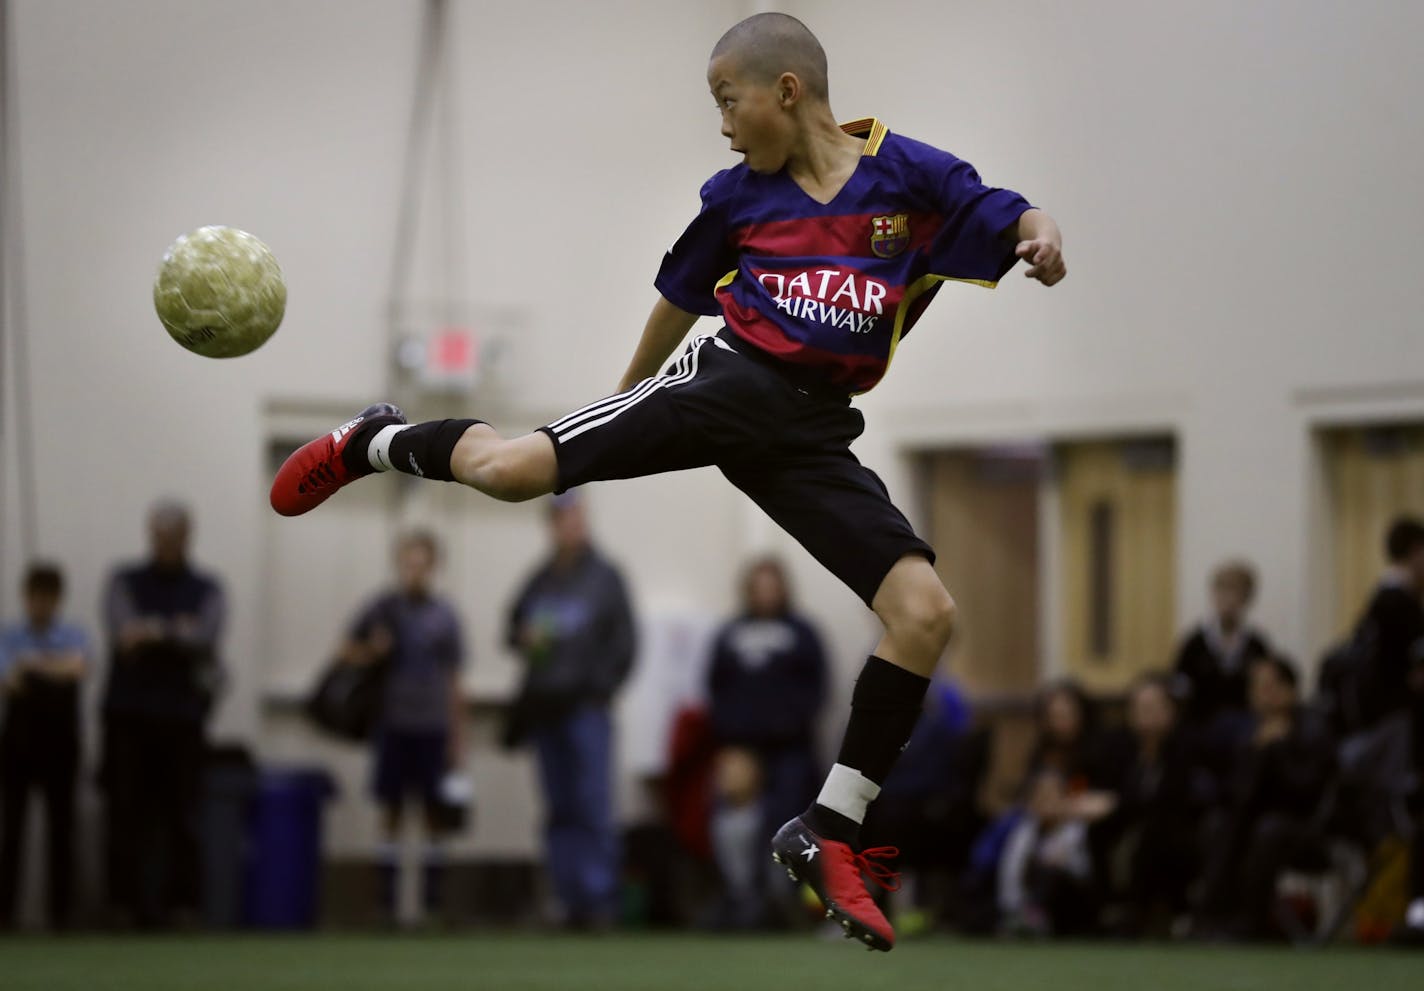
(314, 471)
(833, 870)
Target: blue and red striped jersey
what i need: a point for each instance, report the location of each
(833, 288)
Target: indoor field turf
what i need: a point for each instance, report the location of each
(527, 962)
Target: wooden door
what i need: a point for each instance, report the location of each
(1118, 528)
(984, 527)
(1375, 475)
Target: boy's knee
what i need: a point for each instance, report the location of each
(923, 610)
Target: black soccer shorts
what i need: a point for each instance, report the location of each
(787, 449)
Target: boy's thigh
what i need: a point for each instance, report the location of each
(647, 430)
(838, 510)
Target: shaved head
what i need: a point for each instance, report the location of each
(766, 45)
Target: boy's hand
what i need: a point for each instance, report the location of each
(1040, 243)
(1045, 256)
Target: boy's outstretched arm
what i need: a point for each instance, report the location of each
(666, 327)
(1040, 243)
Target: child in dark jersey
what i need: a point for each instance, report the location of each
(819, 251)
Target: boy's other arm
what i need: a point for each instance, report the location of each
(1040, 243)
(666, 327)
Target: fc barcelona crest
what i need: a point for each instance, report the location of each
(889, 235)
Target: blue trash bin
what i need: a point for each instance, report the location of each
(284, 872)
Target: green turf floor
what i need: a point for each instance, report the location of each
(674, 963)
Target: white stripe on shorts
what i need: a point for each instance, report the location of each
(605, 410)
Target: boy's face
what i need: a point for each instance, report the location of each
(1149, 712)
(41, 606)
(415, 567)
(1232, 598)
(754, 117)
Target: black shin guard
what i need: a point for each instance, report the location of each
(425, 448)
(884, 708)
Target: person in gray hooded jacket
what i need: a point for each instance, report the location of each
(573, 626)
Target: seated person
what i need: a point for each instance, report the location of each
(1282, 768)
(1068, 740)
(1045, 871)
(1152, 834)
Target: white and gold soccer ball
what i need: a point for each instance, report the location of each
(219, 292)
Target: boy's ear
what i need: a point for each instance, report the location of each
(788, 90)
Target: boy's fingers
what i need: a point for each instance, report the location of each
(1025, 248)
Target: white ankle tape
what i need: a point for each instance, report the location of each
(848, 792)
(379, 450)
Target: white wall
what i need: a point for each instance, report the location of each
(140, 120)
(1237, 185)
(1233, 181)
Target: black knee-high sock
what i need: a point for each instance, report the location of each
(423, 449)
(884, 708)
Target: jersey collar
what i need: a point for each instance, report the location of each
(870, 129)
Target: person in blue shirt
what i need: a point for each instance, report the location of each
(43, 659)
(766, 686)
(416, 634)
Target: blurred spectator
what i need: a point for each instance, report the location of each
(1045, 873)
(1390, 635)
(1213, 658)
(766, 685)
(573, 625)
(415, 634)
(42, 661)
(1068, 740)
(1282, 770)
(1062, 794)
(163, 620)
(1149, 844)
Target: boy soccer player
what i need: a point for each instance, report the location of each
(819, 251)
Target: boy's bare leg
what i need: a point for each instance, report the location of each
(511, 470)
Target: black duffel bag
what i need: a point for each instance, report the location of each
(346, 700)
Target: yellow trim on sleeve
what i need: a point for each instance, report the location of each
(725, 280)
(913, 292)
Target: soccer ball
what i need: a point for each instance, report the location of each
(219, 292)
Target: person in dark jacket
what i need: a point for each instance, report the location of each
(1153, 830)
(572, 623)
(1281, 770)
(1391, 633)
(766, 685)
(164, 618)
(1392, 627)
(1214, 655)
(42, 662)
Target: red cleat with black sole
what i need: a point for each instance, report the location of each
(836, 874)
(316, 470)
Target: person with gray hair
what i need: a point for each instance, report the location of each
(164, 619)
